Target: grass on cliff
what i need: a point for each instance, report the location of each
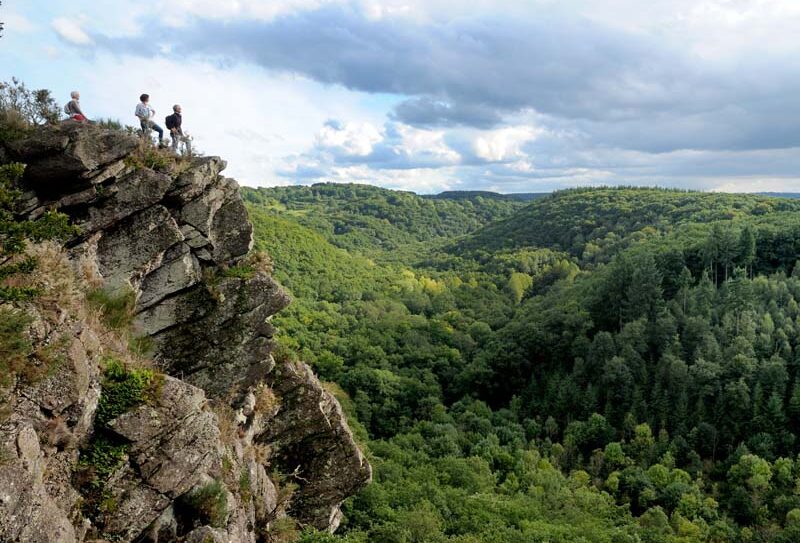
(206, 505)
(147, 156)
(115, 309)
(123, 389)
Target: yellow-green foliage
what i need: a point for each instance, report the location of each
(146, 156)
(15, 234)
(124, 389)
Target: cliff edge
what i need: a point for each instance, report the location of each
(217, 441)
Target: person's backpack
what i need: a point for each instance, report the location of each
(66, 109)
(170, 121)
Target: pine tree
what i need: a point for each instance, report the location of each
(747, 249)
(644, 296)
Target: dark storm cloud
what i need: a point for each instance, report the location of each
(620, 89)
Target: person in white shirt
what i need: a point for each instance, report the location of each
(145, 114)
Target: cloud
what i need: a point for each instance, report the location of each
(348, 139)
(616, 86)
(504, 144)
(510, 94)
(71, 31)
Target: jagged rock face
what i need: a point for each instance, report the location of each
(157, 233)
(168, 236)
(311, 438)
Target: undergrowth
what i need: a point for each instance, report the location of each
(206, 505)
(123, 389)
(148, 156)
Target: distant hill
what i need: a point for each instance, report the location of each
(781, 194)
(569, 219)
(472, 194)
(380, 222)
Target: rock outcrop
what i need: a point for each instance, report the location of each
(176, 241)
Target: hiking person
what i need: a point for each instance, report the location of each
(145, 114)
(174, 123)
(73, 108)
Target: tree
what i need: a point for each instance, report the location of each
(747, 249)
(519, 284)
(644, 297)
(749, 480)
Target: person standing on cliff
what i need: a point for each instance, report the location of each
(73, 108)
(145, 114)
(174, 123)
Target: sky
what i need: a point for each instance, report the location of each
(433, 95)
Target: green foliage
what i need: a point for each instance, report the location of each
(148, 157)
(22, 108)
(208, 504)
(604, 221)
(379, 223)
(103, 456)
(606, 365)
(124, 389)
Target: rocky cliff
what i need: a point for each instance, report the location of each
(216, 441)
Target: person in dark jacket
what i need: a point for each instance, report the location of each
(174, 125)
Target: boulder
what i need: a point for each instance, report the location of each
(61, 159)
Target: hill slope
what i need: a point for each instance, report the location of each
(629, 391)
(569, 220)
(380, 222)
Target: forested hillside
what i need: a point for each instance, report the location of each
(380, 222)
(613, 365)
(581, 220)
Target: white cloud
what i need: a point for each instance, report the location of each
(505, 144)
(421, 180)
(417, 144)
(756, 184)
(71, 31)
(178, 12)
(349, 139)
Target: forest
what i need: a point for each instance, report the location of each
(594, 365)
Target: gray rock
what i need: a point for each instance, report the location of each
(179, 271)
(134, 192)
(58, 157)
(231, 237)
(169, 237)
(27, 512)
(174, 442)
(236, 354)
(136, 246)
(190, 184)
(310, 437)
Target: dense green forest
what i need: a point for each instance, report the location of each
(608, 365)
